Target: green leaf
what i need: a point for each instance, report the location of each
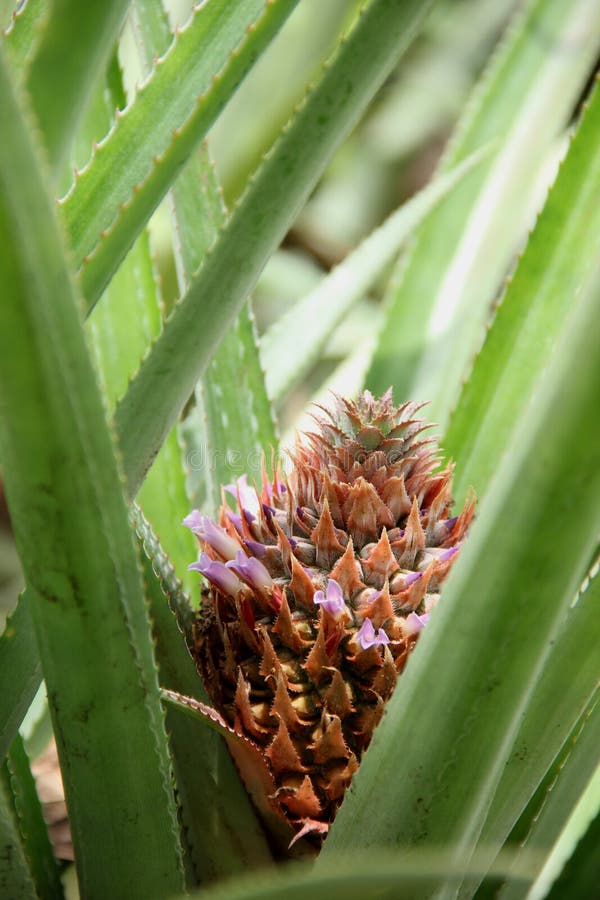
(209, 789)
(578, 880)
(353, 876)
(564, 691)
(543, 294)
(569, 779)
(255, 227)
(20, 672)
(294, 342)
(484, 649)
(16, 881)
(132, 169)
(444, 291)
(24, 33)
(121, 326)
(70, 522)
(34, 833)
(72, 53)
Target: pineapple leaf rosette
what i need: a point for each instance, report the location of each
(319, 585)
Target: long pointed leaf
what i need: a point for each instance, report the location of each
(191, 334)
(220, 827)
(445, 289)
(36, 841)
(132, 169)
(74, 49)
(458, 707)
(564, 690)
(20, 672)
(71, 527)
(16, 880)
(574, 771)
(542, 295)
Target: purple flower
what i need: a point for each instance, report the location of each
(367, 637)
(235, 520)
(333, 603)
(217, 573)
(414, 623)
(212, 534)
(411, 578)
(256, 548)
(448, 554)
(450, 523)
(251, 570)
(246, 496)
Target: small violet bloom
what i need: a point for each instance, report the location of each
(448, 554)
(411, 578)
(251, 570)
(414, 623)
(246, 496)
(367, 637)
(333, 601)
(217, 573)
(212, 534)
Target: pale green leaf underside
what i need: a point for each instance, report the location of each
(21, 38)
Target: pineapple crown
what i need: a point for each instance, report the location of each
(319, 585)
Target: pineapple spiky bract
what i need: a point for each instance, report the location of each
(319, 585)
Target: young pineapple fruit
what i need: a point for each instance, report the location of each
(319, 586)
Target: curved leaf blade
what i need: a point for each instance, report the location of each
(502, 608)
(74, 49)
(440, 302)
(134, 166)
(542, 295)
(70, 522)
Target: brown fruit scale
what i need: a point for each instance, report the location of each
(301, 680)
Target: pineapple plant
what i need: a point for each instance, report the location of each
(318, 586)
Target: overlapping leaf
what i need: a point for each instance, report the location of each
(70, 521)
